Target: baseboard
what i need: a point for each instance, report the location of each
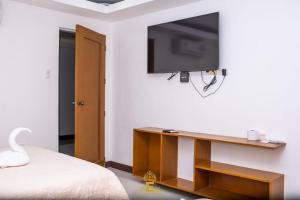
(119, 166)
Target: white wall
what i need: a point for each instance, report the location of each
(29, 45)
(259, 45)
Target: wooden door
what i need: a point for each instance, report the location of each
(89, 95)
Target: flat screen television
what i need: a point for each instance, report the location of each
(185, 45)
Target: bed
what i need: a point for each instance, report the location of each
(51, 175)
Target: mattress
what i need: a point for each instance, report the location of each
(51, 175)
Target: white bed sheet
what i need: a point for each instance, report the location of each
(51, 175)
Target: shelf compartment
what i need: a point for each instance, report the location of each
(217, 194)
(232, 186)
(179, 183)
(146, 154)
(237, 171)
(202, 150)
(169, 157)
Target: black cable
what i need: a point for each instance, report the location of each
(212, 82)
(172, 75)
(207, 95)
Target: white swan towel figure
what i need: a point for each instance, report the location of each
(17, 156)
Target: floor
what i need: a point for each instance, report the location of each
(136, 189)
(67, 149)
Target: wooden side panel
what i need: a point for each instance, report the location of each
(169, 157)
(154, 154)
(277, 189)
(140, 153)
(238, 185)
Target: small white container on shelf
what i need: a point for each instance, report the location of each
(252, 135)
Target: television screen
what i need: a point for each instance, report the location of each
(186, 45)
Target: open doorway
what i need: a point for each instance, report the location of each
(66, 92)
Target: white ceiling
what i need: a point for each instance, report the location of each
(115, 12)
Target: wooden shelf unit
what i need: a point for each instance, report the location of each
(157, 151)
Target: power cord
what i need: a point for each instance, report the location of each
(224, 73)
(212, 82)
